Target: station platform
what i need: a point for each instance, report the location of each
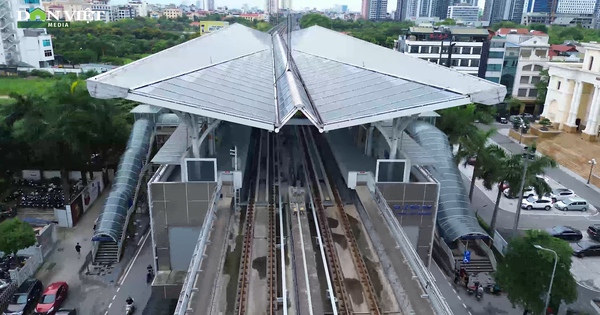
(348, 155)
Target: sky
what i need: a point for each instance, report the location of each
(353, 5)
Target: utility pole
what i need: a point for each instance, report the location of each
(529, 154)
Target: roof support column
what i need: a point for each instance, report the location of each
(369, 144)
(398, 128)
(193, 124)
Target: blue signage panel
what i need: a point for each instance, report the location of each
(413, 209)
(467, 257)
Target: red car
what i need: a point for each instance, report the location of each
(54, 295)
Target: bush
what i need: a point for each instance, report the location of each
(545, 123)
(40, 74)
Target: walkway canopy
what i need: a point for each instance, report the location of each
(244, 76)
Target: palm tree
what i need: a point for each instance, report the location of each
(474, 146)
(458, 121)
(499, 167)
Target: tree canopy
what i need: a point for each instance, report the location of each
(525, 271)
(16, 235)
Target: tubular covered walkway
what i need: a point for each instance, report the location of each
(114, 213)
(454, 220)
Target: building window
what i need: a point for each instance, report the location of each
(474, 62)
(522, 93)
(48, 53)
(558, 85)
(435, 50)
(535, 80)
(526, 53)
(497, 44)
(527, 68)
(524, 80)
(538, 68)
(454, 63)
(494, 67)
(32, 1)
(591, 63)
(46, 43)
(414, 49)
(541, 53)
(476, 50)
(533, 93)
(424, 49)
(466, 50)
(464, 62)
(456, 50)
(496, 54)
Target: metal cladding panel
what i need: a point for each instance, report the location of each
(114, 213)
(454, 219)
(226, 44)
(342, 92)
(241, 88)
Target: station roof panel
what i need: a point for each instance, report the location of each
(240, 75)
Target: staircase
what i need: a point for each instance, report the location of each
(107, 254)
(476, 265)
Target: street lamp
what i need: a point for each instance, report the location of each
(591, 162)
(553, 272)
(528, 155)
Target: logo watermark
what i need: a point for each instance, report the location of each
(38, 18)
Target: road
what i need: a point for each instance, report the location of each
(133, 283)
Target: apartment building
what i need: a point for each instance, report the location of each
(124, 12)
(463, 13)
(172, 13)
(495, 60)
(465, 49)
(533, 57)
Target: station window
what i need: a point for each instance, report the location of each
(48, 53)
(46, 43)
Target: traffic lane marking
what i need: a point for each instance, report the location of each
(137, 254)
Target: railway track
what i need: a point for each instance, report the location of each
(263, 188)
(344, 303)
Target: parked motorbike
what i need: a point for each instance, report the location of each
(493, 289)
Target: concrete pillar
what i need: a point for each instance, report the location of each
(395, 136)
(195, 130)
(575, 101)
(591, 128)
(369, 144)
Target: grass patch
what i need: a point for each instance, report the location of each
(6, 101)
(24, 85)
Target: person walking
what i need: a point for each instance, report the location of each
(78, 250)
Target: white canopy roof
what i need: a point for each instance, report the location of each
(245, 76)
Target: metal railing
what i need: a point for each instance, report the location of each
(425, 277)
(188, 284)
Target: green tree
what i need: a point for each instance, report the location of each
(525, 271)
(542, 87)
(457, 122)
(16, 235)
(474, 145)
(499, 167)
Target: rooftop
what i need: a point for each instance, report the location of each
(253, 78)
(519, 31)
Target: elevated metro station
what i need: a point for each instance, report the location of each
(210, 97)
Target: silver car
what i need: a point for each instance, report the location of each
(561, 194)
(572, 204)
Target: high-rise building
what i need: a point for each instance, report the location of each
(364, 9)
(209, 5)
(427, 8)
(271, 7)
(378, 9)
(400, 13)
(516, 11)
(496, 10)
(286, 4)
(464, 13)
(576, 6)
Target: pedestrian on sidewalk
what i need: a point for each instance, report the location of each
(78, 250)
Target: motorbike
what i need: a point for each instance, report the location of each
(149, 276)
(129, 309)
(493, 289)
(479, 293)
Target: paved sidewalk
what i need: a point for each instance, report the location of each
(65, 265)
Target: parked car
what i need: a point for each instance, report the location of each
(594, 232)
(566, 233)
(66, 311)
(572, 204)
(503, 120)
(534, 203)
(528, 117)
(52, 298)
(585, 248)
(527, 192)
(515, 119)
(540, 177)
(25, 298)
(561, 194)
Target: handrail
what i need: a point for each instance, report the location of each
(489, 252)
(188, 283)
(425, 277)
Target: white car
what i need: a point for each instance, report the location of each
(528, 192)
(533, 203)
(561, 194)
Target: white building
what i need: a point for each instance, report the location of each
(209, 5)
(286, 4)
(533, 58)
(271, 7)
(463, 13)
(576, 6)
(105, 9)
(573, 97)
(20, 47)
(140, 6)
